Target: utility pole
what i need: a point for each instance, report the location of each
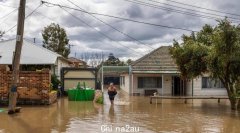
(16, 59)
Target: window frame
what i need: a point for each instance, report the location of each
(158, 84)
(213, 84)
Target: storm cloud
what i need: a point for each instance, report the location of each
(91, 39)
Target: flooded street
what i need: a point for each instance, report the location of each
(171, 116)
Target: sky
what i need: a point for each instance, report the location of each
(125, 39)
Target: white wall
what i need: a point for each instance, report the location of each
(166, 85)
(199, 91)
(59, 64)
(189, 88)
(125, 87)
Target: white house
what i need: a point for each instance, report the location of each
(32, 55)
(157, 71)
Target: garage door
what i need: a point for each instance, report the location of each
(71, 76)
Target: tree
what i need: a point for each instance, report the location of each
(93, 59)
(55, 39)
(113, 61)
(215, 50)
(190, 57)
(224, 58)
(129, 61)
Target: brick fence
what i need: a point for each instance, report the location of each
(33, 86)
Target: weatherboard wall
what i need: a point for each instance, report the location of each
(166, 84)
(59, 65)
(198, 90)
(126, 86)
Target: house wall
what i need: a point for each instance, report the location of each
(126, 86)
(189, 88)
(199, 91)
(166, 85)
(53, 69)
(60, 63)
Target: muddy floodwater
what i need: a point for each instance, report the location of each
(137, 116)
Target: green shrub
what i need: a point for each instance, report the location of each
(100, 100)
(55, 82)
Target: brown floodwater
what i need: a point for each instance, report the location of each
(85, 117)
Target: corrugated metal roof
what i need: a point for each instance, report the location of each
(31, 53)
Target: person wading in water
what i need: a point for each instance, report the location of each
(112, 91)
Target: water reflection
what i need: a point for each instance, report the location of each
(171, 116)
(111, 114)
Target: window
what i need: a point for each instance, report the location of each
(149, 82)
(209, 83)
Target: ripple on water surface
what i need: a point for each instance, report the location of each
(171, 116)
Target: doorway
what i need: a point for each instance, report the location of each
(177, 86)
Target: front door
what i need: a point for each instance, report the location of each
(176, 86)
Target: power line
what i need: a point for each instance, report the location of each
(113, 27)
(25, 17)
(213, 16)
(33, 11)
(8, 14)
(43, 15)
(171, 10)
(99, 31)
(76, 18)
(116, 17)
(79, 20)
(8, 6)
(185, 4)
(190, 9)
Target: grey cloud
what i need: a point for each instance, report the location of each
(106, 47)
(89, 39)
(134, 11)
(144, 33)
